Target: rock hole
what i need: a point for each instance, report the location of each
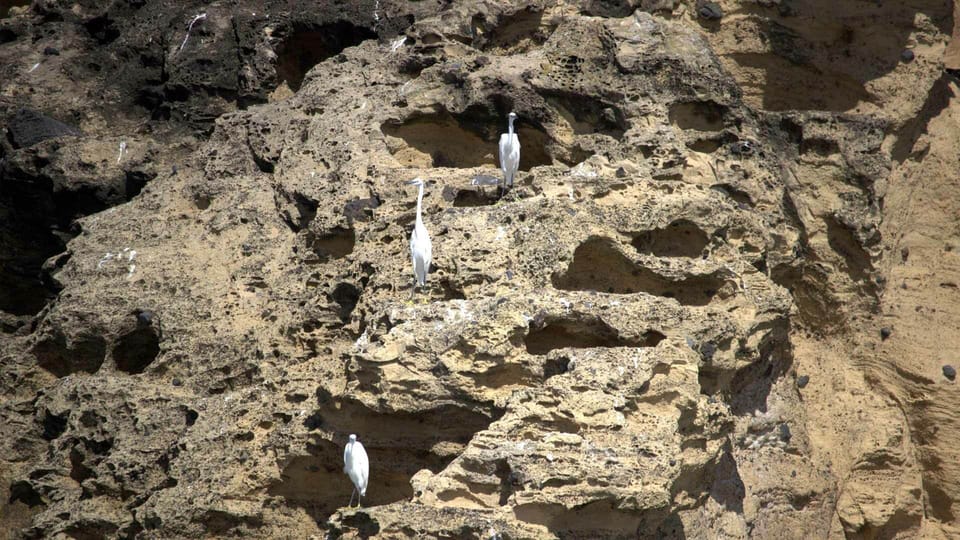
(596, 519)
(102, 29)
(463, 141)
(748, 388)
(78, 470)
(587, 115)
(450, 290)
(202, 202)
(555, 366)
(346, 296)
(135, 182)
(698, 115)
(704, 146)
(297, 210)
(819, 147)
(681, 238)
(711, 380)
(466, 198)
(599, 266)
(580, 333)
(58, 356)
(24, 492)
(399, 445)
(307, 45)
(23, 503)
(843, 241)
(361, 209)
(335, 244)
(941, 503)
(53, 425)
(742, 198)
(138, 348)
(516, 33)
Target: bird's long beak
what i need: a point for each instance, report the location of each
(412, 182)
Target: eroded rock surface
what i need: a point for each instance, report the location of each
(206, 283)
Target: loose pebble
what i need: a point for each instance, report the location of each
(885, 332)
(949, 372)
(710, 10)
(802, 381)
(145, 318)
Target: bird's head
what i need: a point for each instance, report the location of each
(415, 182)
(353, 438)
(512, 115)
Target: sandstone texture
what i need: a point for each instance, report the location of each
(720, 300)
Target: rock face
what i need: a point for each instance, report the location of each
(668, 328)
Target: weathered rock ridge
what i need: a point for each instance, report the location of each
(718, 302)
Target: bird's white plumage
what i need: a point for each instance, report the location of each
(509, 152)
(421, 249)
(356, 465)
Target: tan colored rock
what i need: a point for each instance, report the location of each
(706, 210)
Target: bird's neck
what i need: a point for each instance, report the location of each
(510, 126)
(420, 205)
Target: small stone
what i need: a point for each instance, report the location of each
(621, 172)
(177, 382)
(802, 381)
(710, 10)
(741, 148)
(885, 332)
(785, 433)
(51, 51)
(949, 372)
(907, 55)
(145, 318)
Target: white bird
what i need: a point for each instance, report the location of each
(421, 250)
(509, 152)
(357, 467)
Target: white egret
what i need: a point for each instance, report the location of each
(421, 250)
(357, 467)
(509, 152)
